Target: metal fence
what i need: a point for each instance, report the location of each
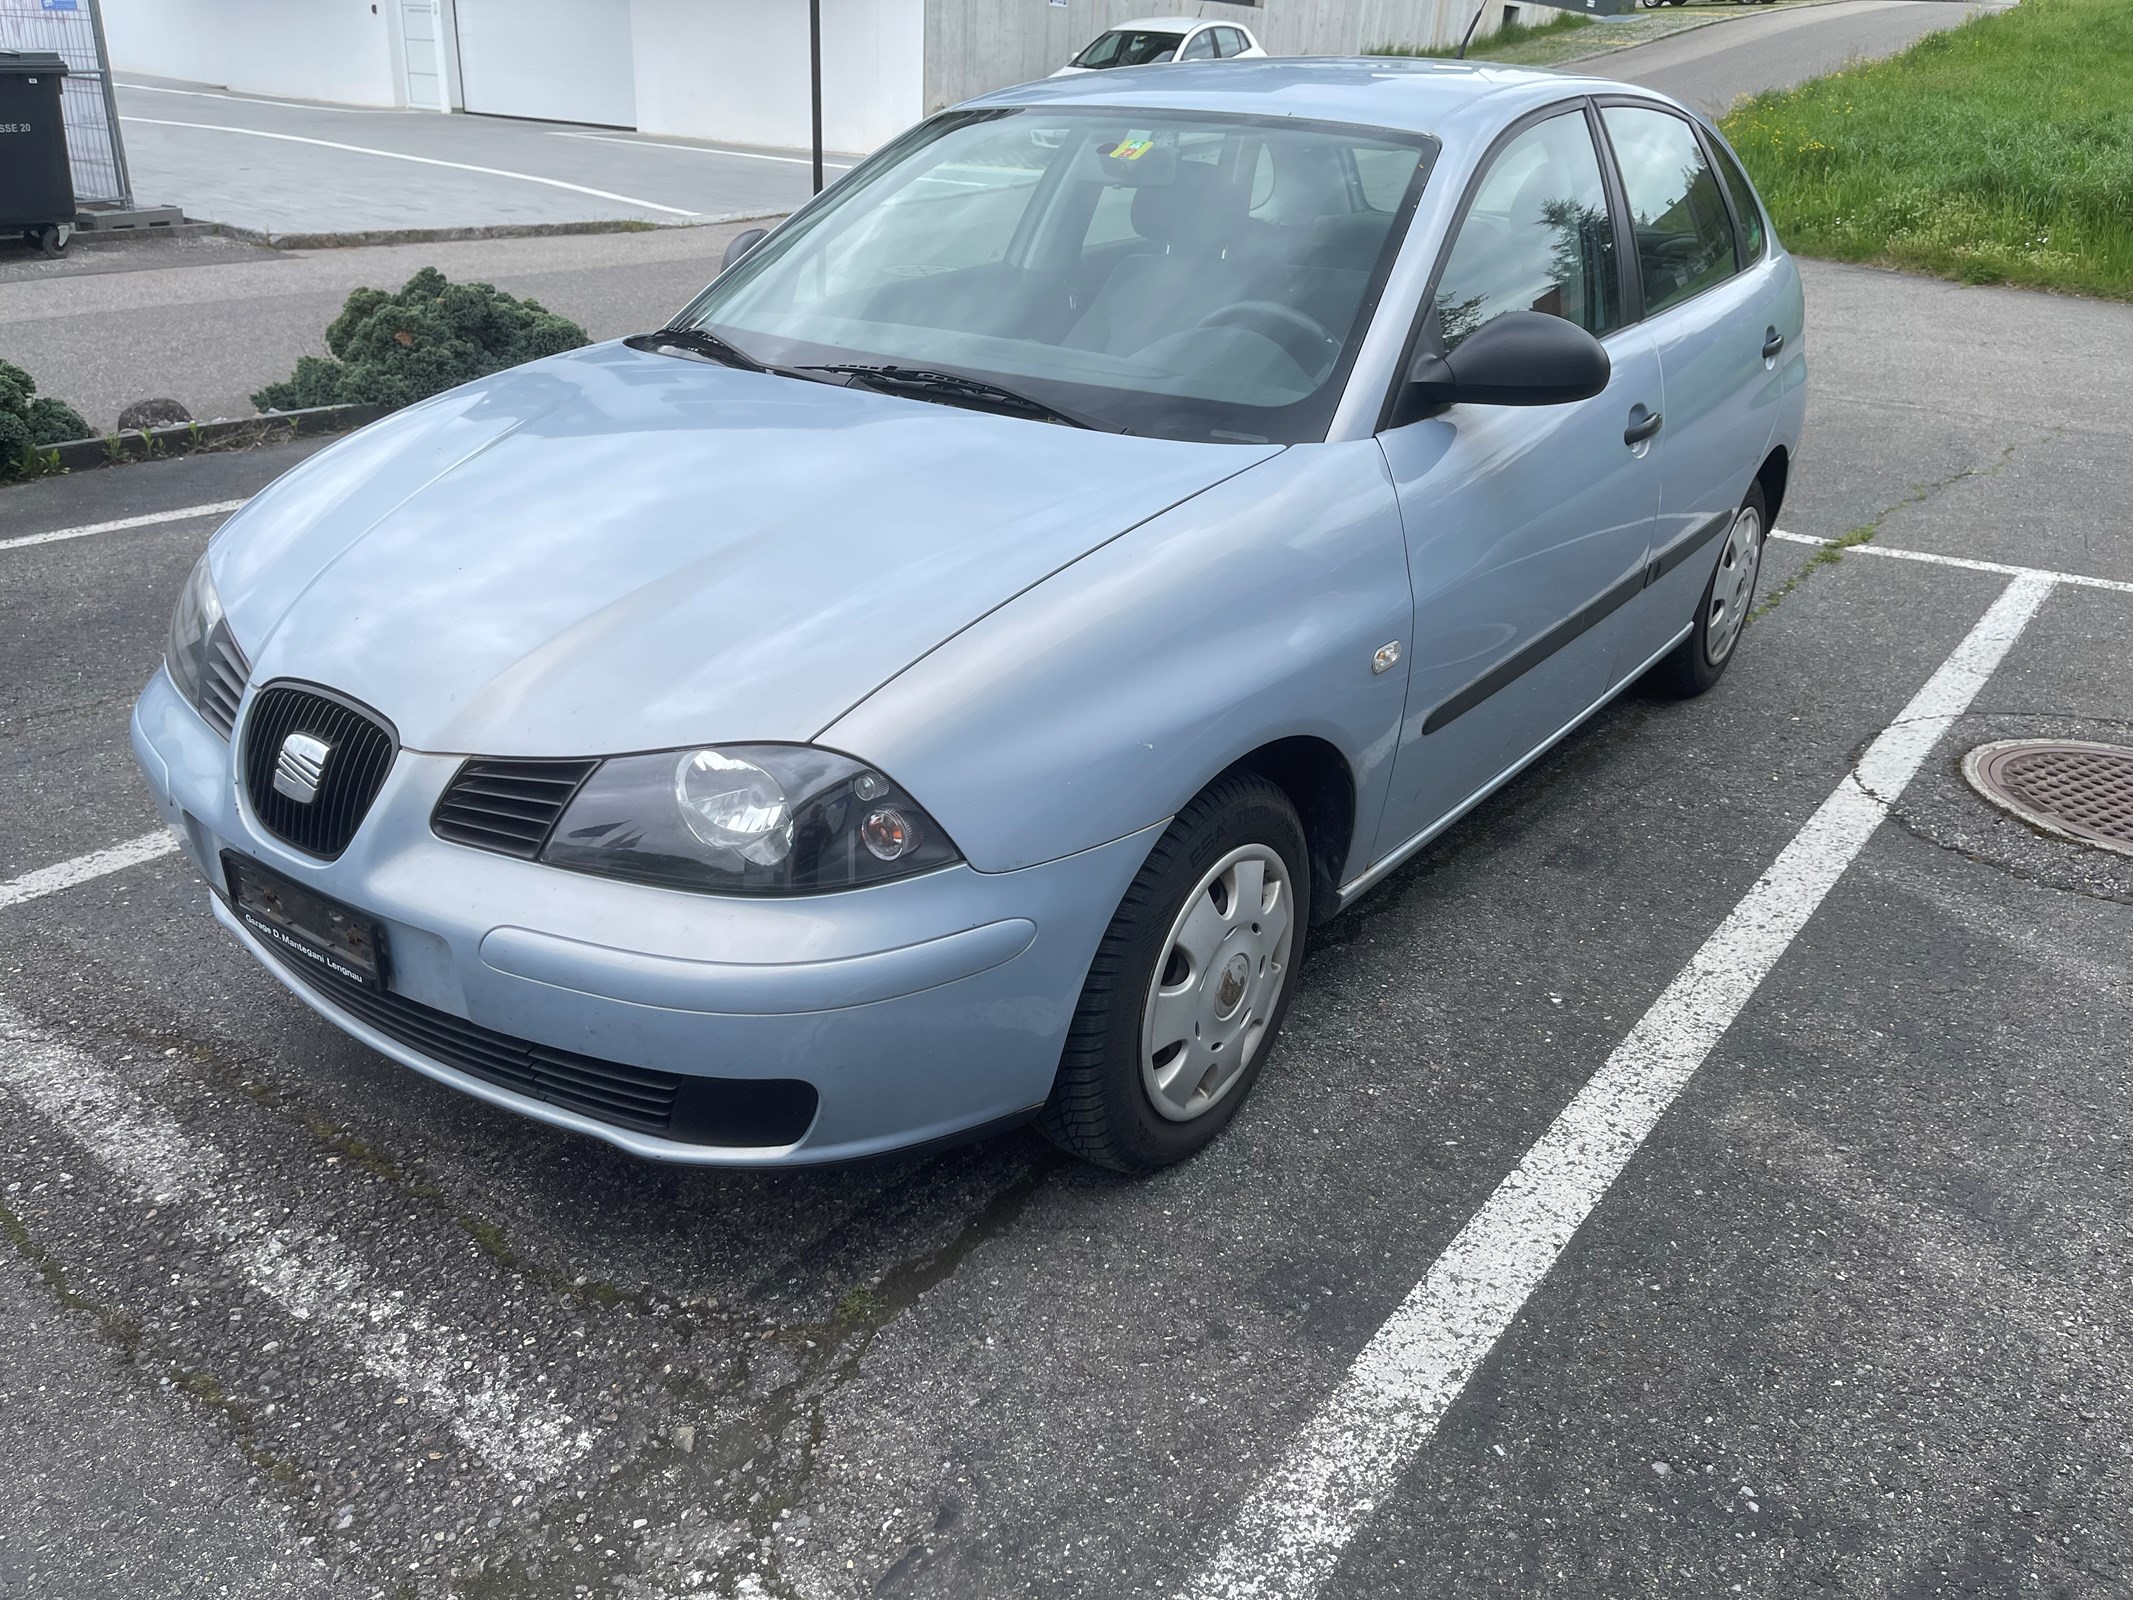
(75, 30)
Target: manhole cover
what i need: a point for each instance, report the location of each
(2074, 790)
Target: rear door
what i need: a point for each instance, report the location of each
(1526, 527)
(1720, 309)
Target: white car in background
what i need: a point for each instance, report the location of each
(1149, 40)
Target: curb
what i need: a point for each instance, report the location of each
(502, 230)
(187, 438)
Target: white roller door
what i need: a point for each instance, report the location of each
(562, 60)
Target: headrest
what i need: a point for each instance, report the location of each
(1198, 210)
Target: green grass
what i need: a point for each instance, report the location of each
(1489, 45)
(2000, 151)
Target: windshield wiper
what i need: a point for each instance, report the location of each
(701, 342)
(924, 380)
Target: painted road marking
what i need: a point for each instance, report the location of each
(220, 508)
(706, 150)
(264, 100)
(424, 161)
(1892, 553)
(309, 1273)
(1291, 1530)
(96, 864)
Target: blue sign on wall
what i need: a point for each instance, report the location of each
(62, 5)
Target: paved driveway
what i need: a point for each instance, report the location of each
(1710, 68)
(1810, 1276)
(291, 167)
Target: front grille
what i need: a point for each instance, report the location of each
(227, 670)
(739, 1113)
(507, 806)
(360, 753)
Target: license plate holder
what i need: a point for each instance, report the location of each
(305, 924)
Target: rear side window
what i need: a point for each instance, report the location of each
(1537, 237)
(1744, 206)
(1684, 237)
(1230, 41)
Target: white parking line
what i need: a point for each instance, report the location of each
(219, 508)
(311, 1275)
(96, 864)
(1893, 553)
(1289, 1534)
(705, 150)
(424, 161)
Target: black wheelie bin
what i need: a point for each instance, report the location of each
(36, 184)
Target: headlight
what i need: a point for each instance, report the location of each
(201, 663)
(746, 819)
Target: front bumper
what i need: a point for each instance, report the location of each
(917, 1010)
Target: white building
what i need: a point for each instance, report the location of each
(710, 69)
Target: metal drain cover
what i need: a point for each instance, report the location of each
(2073, 790)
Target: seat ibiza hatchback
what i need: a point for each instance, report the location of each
(943, 678)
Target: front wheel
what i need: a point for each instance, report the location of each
(1700, 660)
(1189, 987)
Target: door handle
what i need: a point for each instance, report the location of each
(1773, 342)
(1642, 425)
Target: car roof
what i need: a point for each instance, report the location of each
(1414, 95)
(1155, 25)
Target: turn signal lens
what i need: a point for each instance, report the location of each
(888, 834)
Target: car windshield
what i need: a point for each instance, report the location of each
(1127, 47)
(1180, 275)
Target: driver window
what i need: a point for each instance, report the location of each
(1200, 47)
(1536, 238)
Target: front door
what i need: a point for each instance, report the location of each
(1527, 527)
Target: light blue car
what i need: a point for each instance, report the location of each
(944, 678)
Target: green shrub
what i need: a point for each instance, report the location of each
(391, 350)
(28, 420)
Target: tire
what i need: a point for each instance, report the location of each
(1701, 659)
(53, 241)
(1132, 1102)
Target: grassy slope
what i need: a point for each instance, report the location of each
(1997, 152)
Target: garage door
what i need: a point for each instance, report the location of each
(562, 60)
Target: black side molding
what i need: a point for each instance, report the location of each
(1588, 616)
(1532, 653)
(1687, 545)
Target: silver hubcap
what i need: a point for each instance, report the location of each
(1217, 983)
(1734, 590)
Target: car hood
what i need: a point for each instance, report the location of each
(614, 550)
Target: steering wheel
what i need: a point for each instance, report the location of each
(1308, 343)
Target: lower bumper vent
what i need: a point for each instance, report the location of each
(739, 1113)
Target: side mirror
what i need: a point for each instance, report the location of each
(1522, 358)
(740, 245)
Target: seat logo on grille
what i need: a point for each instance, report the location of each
(300, 766)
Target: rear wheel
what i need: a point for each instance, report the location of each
(1189, 987)
(1700, 660)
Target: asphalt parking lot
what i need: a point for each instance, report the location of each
(1704, 1172)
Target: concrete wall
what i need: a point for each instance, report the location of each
(973, 46)
(307, 49)
(737, 69)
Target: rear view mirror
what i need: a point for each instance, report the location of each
(1522, 358)
(740, 245)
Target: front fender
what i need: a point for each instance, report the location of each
(1101, 700)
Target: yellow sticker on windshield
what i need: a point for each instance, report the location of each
(1132, 149)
